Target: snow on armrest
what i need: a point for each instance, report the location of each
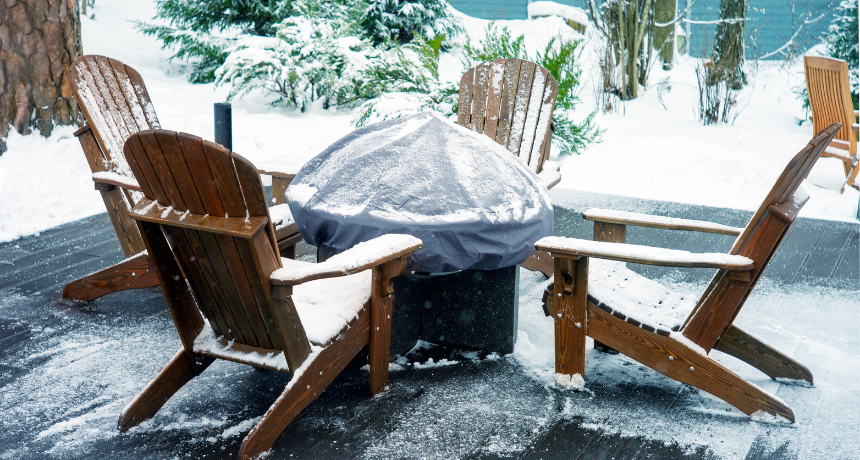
(551, 166)
(281, 216)
(278, 170)
(549, 178)
(358, 258)
(669, 223)
(112, 178)
(641, 254)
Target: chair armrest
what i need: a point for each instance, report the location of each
(641, 254)
(275, 170)
(358, 258)
(549, 178)
(108, 178)
(667, 223)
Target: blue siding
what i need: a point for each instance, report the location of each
(771, 25)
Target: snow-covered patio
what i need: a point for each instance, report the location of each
(67, 369)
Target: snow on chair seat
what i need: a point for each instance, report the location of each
(641, 301)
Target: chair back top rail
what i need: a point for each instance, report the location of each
(115, 103)
(724, 297)
(219, 231)
(829, 91)
(510, 101)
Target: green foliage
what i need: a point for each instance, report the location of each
(497, 44)
(201, 31)
(396, 85)
(843, 42)
(559, 58)
(308, 60)
(400, 21)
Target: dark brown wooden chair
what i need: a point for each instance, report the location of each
(626, 312)
(115, 103)
(511, 101)
(203, 214)
(830, 101)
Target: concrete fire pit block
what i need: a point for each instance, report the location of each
(470, 308)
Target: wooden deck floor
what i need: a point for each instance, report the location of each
(498, 411)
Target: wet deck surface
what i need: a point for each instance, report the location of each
(480, 408)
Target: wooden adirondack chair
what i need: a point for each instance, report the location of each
(511, 101)
(116, 104)
(244, 289)
(633, 315)
(830, 100)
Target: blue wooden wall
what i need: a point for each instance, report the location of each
(771, 25)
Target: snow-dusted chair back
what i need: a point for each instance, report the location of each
(510, 101)
(115, 103)
(716, 310)
(207, 229)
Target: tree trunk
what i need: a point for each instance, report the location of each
(728, 54)
(664, 37)
(39, 39)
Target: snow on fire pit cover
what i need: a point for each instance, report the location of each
(472, 202)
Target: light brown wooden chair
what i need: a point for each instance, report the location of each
(830, 100)
(643, 320)
(203, 214)
(115, 104)
(511, 101)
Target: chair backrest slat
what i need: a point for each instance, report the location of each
(724, 297)
(510, 101)
(828, 87)
(509, 98)
(115, 103)
(227, 274)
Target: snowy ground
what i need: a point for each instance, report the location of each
(83, 364)
(652, 147)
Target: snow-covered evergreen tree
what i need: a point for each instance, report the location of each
(842, 41)
(401, 20)
(201, 30)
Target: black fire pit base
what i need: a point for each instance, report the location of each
(469, 308)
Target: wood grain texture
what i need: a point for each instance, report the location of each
(540, 261)
(381, 309)
(675, 224)
(180, 302)
(305, 388)
(685, 365)
(134, 273)
(570, 296)
(231, 226)
(828, 87)
(610, 232)
(181, 369)
(495, 98)
(761, 356)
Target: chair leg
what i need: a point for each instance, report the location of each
(852, 176)
(570, 291)
(682, 363)
(761, 356)
(133, 273)
(315, 375)
(181, 369)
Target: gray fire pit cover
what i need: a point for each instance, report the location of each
(472, 202)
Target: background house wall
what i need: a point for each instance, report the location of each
(771, 25)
